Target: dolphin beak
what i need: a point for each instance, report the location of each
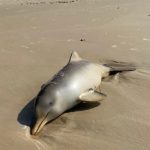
(39, 124)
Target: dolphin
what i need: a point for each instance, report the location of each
(78, 81)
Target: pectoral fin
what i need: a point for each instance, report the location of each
(92, 95)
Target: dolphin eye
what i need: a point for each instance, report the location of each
(50, 103)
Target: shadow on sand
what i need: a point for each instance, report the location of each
(27, 117)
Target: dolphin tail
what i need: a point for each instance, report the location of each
(117, 67)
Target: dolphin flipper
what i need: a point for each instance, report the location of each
(92, 95)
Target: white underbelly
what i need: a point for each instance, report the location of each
(88, 78)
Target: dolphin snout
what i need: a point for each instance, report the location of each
(38, 126)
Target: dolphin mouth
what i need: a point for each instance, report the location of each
(39, 124)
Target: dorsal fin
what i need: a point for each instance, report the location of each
(74, 57)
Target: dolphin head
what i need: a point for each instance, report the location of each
(46, 108)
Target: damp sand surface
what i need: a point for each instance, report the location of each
(36, 39)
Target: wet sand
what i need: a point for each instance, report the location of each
(36, 39)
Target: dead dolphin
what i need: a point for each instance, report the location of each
(77, 81)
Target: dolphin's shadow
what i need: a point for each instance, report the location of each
(27, 117)
(84, 106)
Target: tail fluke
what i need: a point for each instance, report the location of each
(116, 67)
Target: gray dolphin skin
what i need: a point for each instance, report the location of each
(77, 81)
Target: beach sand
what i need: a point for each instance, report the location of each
(36, 39)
